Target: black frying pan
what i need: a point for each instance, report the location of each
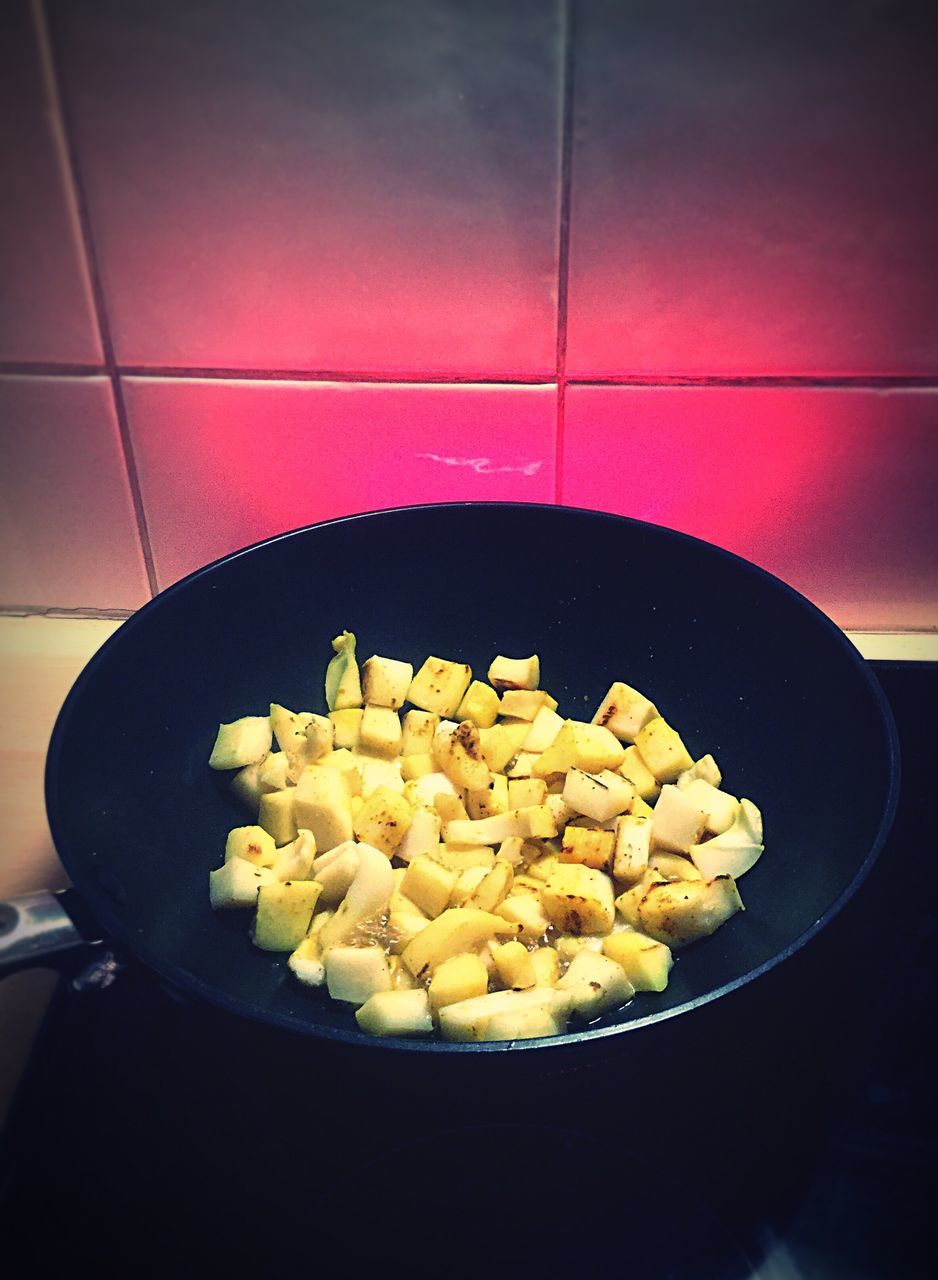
(741, 664)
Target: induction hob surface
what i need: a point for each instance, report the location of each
(785, 1131)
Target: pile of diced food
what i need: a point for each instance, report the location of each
(476, 865)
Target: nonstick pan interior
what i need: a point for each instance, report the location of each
(742, 665)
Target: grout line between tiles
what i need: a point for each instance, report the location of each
(388, 378)
(65, 137)
(563, 246)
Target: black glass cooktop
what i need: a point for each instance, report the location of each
(786, 1132)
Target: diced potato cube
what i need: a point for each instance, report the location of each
(399, 900)
(429, 885)
(422, 836)
(719, 807)
(524, 704)
(284, 912)
(459, 858)
(469, 1020)
(450, 808)
(459, 978)
(579, 899)
(662, 750)
(276, 815)
(377, 772)
(735, 850)
(686, 910)
(677, 822)
(490, 800)
(513, 962)
(440, 686)
(628, 902)
(594, 983)
(526, 1024)
(353, 974)
(469, 880)
(598, 795)
(545, 727)
(321, 805)
(417, 766)
(645, 962)
(589, 848)
(480, 705)
(634, 768)
(501, 744)
(632, 845)
(580, 746)
(274, 772)
(510, 850)
(289, 728)
(459, 755)
(641, 809)
(385, 682)
(624, 711)
(539, 868)
(515, 673)
(456, 930)
(347, 727)
(419, 730)
(396, 1013)
(545, 961)
(522, 766)
(254, 844)
(344, 762)
(383, 820)
(494, 889)
(672, 866)
(527, 914)
(524, 792)
(569, 945)
(242, 742)
(380, 731)
(422, 791)
(237, 882)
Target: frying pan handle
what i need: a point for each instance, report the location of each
(34, 928)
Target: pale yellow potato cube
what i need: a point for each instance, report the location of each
(545, 961)
(417, 766)
(522, 766)
(501, 744)
(494, 889)
(241, 742)
(545, 727)
(677, 822)
(624, 711)
(254, 844)
(480, 705)
(524, 792)
(459, 858)
(396, 1013)
(459, 755)
(276, 815)
(273, 773)
(672, 866)
(284, 912)
(634, 768)
(459, 978)
(632, 846)
(403, 927)
(469, 1020)
(662, 750)
(347, 727)
(440, 686)
(683, 911)
(383, 820)
(580, 746)
(588, 847)
(579, 899)
(385, 682)
(645, 962)
(490, 800)
(469, 880)
(418, 732)
(527, 914)
(601, 796)
(429, 885)
(236, 883)
(515, 673)
(380, 731)
(353, 974)
(513, 962)
(594, 984)
(510, 850)
(321, 805)
(422, 835)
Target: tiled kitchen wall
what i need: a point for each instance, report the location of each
(263, 264)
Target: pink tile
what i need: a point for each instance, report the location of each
(45, 302)
(68, 535)
(753, 189)
(224, 464)
(347, 187)
(832, 490)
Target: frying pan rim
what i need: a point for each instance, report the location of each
(181, 979)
